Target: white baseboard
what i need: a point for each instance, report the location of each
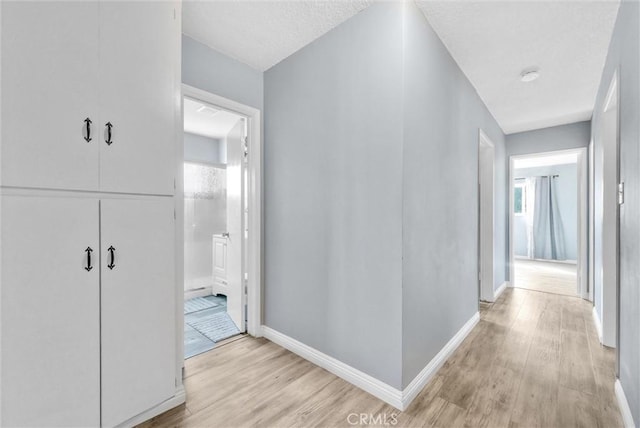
(498, 292)
(393, 396)
(623, 404)
(354, 376)
(198, 292)
(422, 379)
(597, 323)
(169, 404)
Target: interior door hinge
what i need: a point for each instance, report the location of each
(621, 193)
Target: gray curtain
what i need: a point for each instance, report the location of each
(548, 233)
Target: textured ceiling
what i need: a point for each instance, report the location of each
(493, 42)
(263, 33)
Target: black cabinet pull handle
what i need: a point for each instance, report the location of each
(112, 257)
(88, 251)
(87, 123)
(108, 140)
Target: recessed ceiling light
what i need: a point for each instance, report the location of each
(529, 75)
(207, 110)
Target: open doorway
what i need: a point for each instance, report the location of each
(215, 210)
(486, 217)
(548, 222)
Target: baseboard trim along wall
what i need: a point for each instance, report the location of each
(623, 404)
(419, 382)
(597, 323)
(499, 290)
(169, 404)
(354, 376)
(393, 396)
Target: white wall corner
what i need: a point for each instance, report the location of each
(422, 379)
(368, 383)
(623, 404)
(498, 292)
(597, 323)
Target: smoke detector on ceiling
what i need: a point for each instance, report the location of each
(209, 111)
(529, 74)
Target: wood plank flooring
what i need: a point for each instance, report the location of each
(534, 360)
(550, 277)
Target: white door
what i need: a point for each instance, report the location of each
(49, 88)
(50, 306)
(235, 156)
(139, 96)
(138, 306)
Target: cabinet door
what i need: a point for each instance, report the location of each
(50, 312)
(138, 306)
(49, 87)
(219, 258)
(139, 96)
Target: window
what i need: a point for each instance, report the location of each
(519, 199)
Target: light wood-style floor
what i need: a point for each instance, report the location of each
(550, 277)
(534, 360)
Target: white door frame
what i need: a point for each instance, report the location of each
(486, 235)
(591, 263)
(582, 258)
(254, 188)
(610, 274)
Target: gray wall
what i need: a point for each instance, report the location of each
(567, 187)
(440, 195)
(198, 148)
(563, 137)
(211, 71)
(333, 193)
(371, 163)
(624, 55)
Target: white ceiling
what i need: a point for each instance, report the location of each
(210, 121)
(494, 41)
(263, 33)
(545, 160)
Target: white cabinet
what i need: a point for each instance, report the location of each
(79, 346)
(49, 87)
(50, 304)
(138, 306)
(113, 63)
(86, 333)
(220, 284)
(138, 89)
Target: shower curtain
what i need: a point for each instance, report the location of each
(545, 230)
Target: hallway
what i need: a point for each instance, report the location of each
(533, 360)
(549, 277)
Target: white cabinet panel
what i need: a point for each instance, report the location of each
(50, 306)
(220, 265)
(49, 87)
(138, 307)
(138, 96)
